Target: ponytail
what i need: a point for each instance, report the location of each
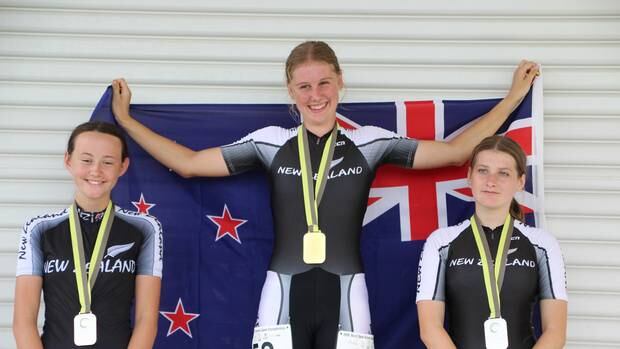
(515, 210)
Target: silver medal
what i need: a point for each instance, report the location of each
(496, 333)
(85, 329)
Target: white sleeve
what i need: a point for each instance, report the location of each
(551, 270)
(30, 253)
(431, 270)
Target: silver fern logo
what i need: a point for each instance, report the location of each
(114, 251)
(335, 163)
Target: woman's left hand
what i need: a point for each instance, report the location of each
(523, 78)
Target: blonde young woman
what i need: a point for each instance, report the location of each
(315, 280)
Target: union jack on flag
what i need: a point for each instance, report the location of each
(218, 231)
(430, 199)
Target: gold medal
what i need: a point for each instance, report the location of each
(314, 247)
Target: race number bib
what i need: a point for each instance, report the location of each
(352, 340)
(272, 337)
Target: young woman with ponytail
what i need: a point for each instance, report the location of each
(316, 280)
(458, 266)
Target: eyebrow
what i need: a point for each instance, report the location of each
(501, 168)
(105, 156)
(320, 80)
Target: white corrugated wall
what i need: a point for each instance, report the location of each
(56, 57)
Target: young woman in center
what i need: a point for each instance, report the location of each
(316, 280)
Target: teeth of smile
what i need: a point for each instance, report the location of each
(94, 182)
(318, 107)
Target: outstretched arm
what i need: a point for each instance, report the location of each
(182, 160)
(432, 154)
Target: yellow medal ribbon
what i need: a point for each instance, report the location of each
(85, 283)
(314, 241)
(493, 280)
(312, 198)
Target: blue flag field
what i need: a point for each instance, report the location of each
(218, 232)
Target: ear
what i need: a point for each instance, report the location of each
(67, 161)
(340, 82)
(290, 92)
(469, 175)
(522, 182)
(124, 166)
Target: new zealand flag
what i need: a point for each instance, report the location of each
(218, 231)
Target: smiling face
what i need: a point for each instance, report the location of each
(95, 164)
(314, 86)
(494, 180)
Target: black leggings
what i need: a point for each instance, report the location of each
(315, 309)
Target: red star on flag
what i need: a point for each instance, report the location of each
(142, 206)
(179, 319)
(226, 225)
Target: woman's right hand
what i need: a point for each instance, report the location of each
(182, 160)
(121, 98)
